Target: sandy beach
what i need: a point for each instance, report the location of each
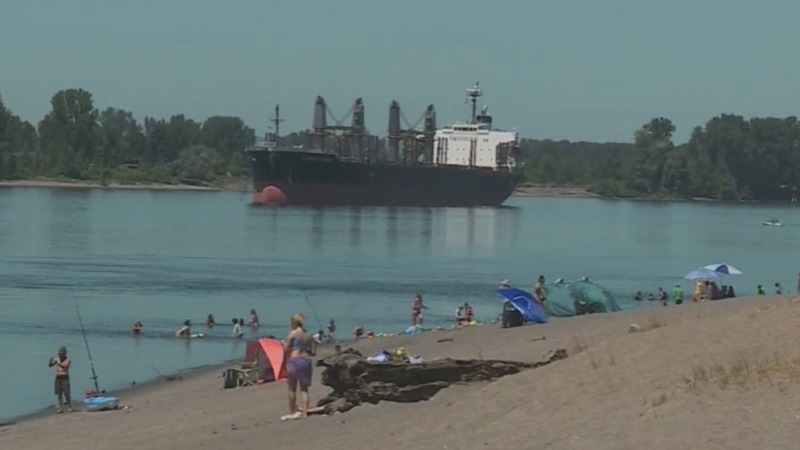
(712, 375)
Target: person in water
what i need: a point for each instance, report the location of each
(253, 319)
(210, 322)
(331, 330)
(416, 310)
(237, 329)
(760, 290)
(358, 331)
(62, 388)
(662, 296)
(638, 296)
(137, 328)
(299, 366)
(778, 289)
(185, 330)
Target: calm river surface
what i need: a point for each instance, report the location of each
(163, 257)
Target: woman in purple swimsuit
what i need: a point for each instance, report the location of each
(299, 366)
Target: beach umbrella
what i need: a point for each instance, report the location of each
(702, 273)
(524, 302)
(723, 269)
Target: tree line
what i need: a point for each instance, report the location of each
(75, 140)
(730, 158)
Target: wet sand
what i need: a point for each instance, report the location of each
(719, 375)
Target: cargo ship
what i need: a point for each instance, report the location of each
(465, 164)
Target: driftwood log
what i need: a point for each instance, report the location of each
(354, 380)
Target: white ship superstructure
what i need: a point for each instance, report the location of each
(475, 144)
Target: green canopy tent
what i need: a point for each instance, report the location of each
(578, 297)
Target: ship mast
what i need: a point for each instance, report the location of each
(277, 122)
(472, 95)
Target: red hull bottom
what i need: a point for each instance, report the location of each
(344, 195)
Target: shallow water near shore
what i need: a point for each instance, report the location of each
(163, 257)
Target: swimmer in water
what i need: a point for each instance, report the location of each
(237, 329)
(253, 318)
(331, 330)
(185, 330)
(210, 321)
(137, 327)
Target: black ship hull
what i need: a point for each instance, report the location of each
(315, 179)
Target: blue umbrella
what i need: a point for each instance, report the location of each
(523, 302)
(724, 269)
(702, 273)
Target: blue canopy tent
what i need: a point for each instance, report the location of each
(523, 302)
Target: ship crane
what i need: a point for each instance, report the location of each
(351, 136)
(410, 136)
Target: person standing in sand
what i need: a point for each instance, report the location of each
(538, 291)
(299, 367)
(62, 389)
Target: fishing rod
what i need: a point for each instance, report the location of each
(88, 352)
(313, 310)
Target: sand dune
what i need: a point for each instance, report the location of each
(718, 375)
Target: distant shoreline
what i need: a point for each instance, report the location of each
(526, 190)
(81, 184)
(538, 190)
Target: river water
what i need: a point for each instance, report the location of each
(163, 257)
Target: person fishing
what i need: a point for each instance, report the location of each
(62, 388)
(298, 365)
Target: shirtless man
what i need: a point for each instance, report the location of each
(62, 390)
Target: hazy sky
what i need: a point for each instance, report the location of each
(561, 69)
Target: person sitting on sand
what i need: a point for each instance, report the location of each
(137, 327)
(358, 331)
(253, 319)
(469, 312)
(538, 291)
(461, 317)
(237, 329)
(299, 366)
(210, 322)
(62, 388)
(185, 330)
